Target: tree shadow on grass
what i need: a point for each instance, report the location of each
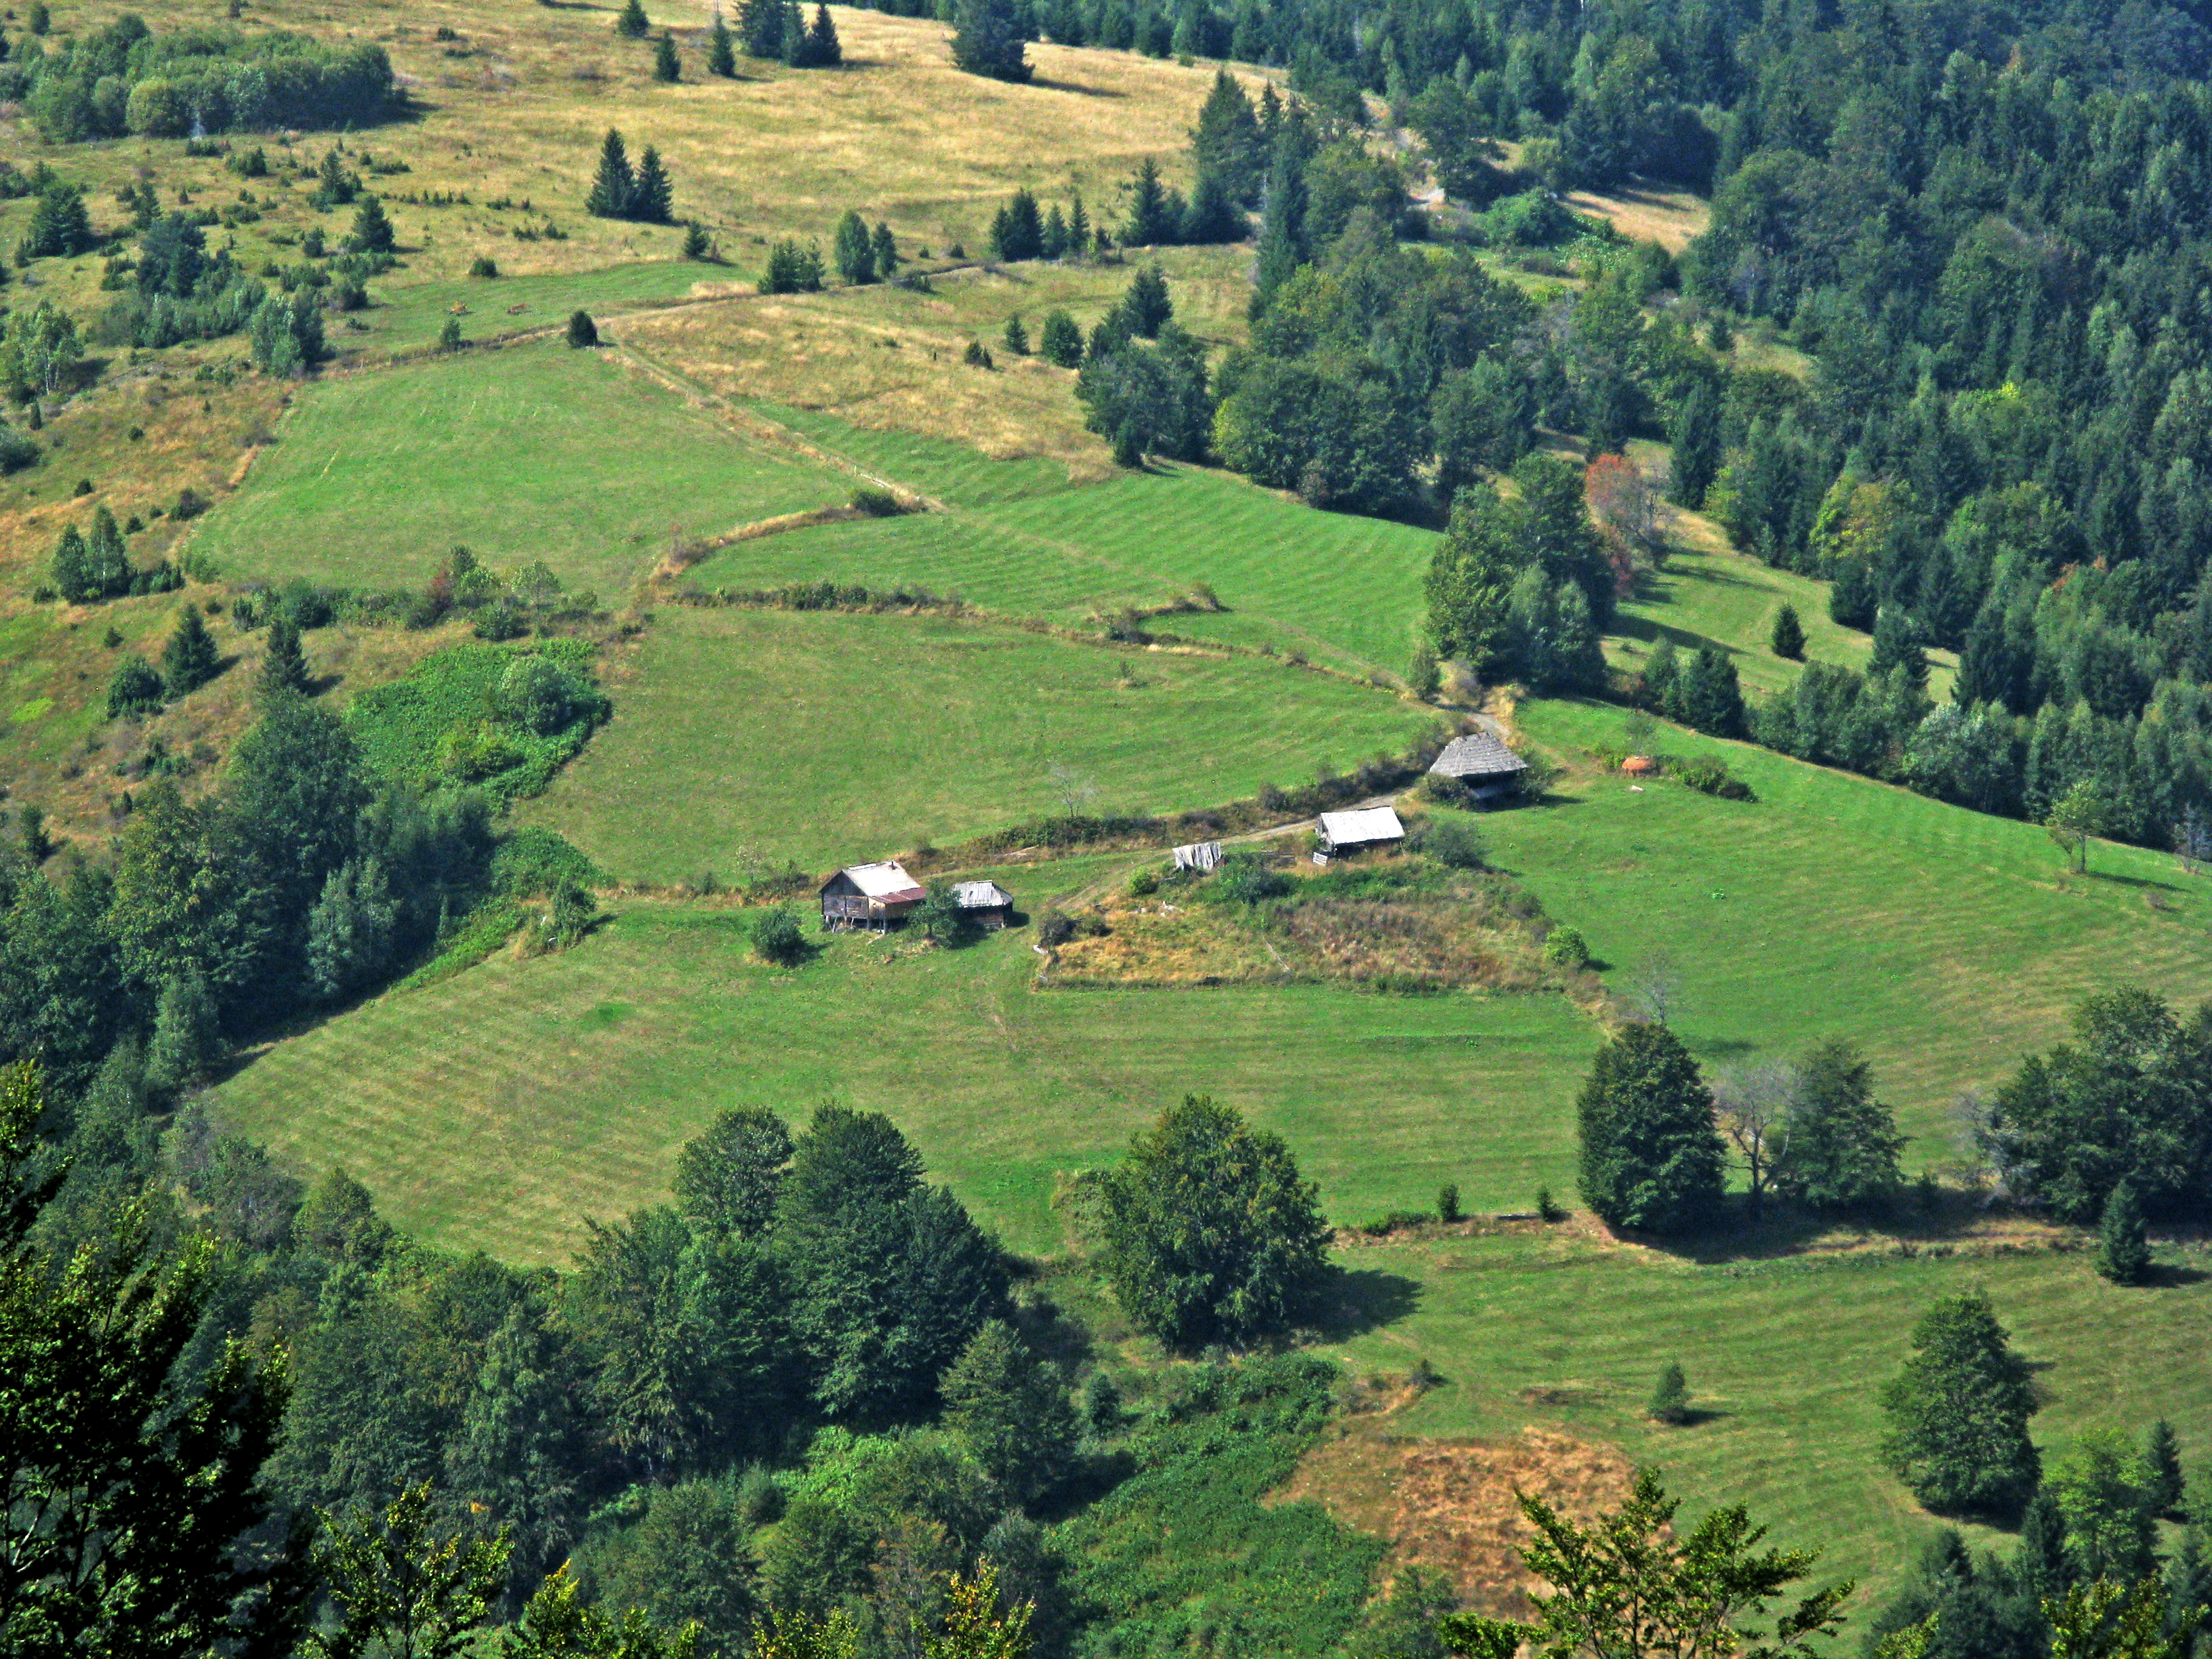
(1075, 87)
(1350, 1302)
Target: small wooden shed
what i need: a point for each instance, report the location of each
(990, 906)
(868, 896)
(1479, 764)
(1349, 832)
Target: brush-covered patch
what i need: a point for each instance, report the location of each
(478, 715)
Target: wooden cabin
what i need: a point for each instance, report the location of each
(1481, 765)
(868, 896)
(986, 904)
(1353, 832)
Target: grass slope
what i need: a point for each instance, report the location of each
(540, 453)
(499, 1108)
(1551, 1328)
(822, 737)
(1340, 589)
(1944, 941)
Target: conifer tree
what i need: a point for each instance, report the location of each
(1061, 342)
(2123, 1248)
(108, 564)
(884, 248)
(185, 1042)
(792, 30)
(283, 664)
(666, 67)
(1282, 220)
(1959, 1409)
(721, 55)
(1054, 239)
(72, 568)
(1146, 306)
(1013, 1410)
(988, 39)
(1788, 639)
(1651, 1159)
(582, 330)
(190, 659)
(1897, 645)
(1694, 436)
(1079, 226)
(134, 689)
(632, 24)
(350, 930)
(1227, 143)
(653, 201)
(1017, 230)
(1841, 1144)
(614, 185)
(1152, 222)
(1711, 695)
(373, 231)
(1016, 338)
(824, 49)
(855, 250)
(1670, 1397)
(760, 25)
(2162, 1460)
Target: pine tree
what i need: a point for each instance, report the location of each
(987, 39)
(1897, 646)
(108, 564)
(1841, 1144)
(721, 54)
(1227, 144)
(666, 67)
(582, 330)
(1788, 639)
(1146, 306)
(1651, 1160)
(632, 24)
(854, 250)
(1670, 1397)
(185, 1042)
(134, 689)
(2045, 1568)
(614, 185)
(283, 664)
(350, 929)
(1711, 698)
(824, 49)
(1958, 1413)
(1061, 342)
(1694, 436)
(2122, 1249)
(1282, 220)
(652, 200)
(792, 30)
(2162, 1459)
(190, 659)
(1079, 226)
(1016, 338)
(760, 24)
(1017, 231)
(72, 568)
(1150, 222)
(373, 231)
(884, 248)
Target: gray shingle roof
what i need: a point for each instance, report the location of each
(1477, 755)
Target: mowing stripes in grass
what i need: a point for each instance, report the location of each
(824, 738)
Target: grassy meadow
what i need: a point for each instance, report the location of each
(545, 453)
(1559, 1330)
(822, 737)
(501, 1108)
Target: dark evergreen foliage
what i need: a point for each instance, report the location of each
(1958, 1413)
(1651, 1160)
(1786, 639)
(1840, 1144)
(721, 56)
(631, 23)
(2122, 1251)
(988, 39)
(667, 68)
(190, 659)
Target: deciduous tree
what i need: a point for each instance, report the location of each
(1958, 1413)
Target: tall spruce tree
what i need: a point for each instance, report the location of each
(1282, 216)
(2122, 1245)
(1958, 1413)
(721, 54)
(1651, 1159)
(882, 247)
(631, 23)
(1013, 1410)
(1153, 220)
(1694, 439)
(988, 39)
(1016, 232)
(283, 664)
(667, 68)
(760, 26)
(652, 200)
(1227, 145)
(824, 49)
(2162, 1463)
(190, 659)
(373, 230)
(1786, 639)
(614, 183)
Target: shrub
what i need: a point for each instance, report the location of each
(878, 503)
(1245, 878)
(582, 330)
(1566, 947)
(1454, 844)
(777, 939)
(483, 265)
(1144, 884)
(1548, 1210)
(1447, 1208)
(1709, 775)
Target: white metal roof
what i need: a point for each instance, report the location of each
(981, 894)
(1375, 823)
(881, 880)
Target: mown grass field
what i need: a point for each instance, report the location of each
(501, 1108)
(1946, 942)
(1553, 1328)
(1341, 590)
(540, 453)
(824, 738)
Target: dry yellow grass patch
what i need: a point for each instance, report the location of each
(1673, 219)
(1450, 1506)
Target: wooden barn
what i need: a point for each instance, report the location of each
(1479, 764)
(1351, 832)
(989, 905)
(868, 896)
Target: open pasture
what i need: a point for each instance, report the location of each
(542, 454)
(821, 738)
(501, 1108)
(1947, 942)
(1555, 1328)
